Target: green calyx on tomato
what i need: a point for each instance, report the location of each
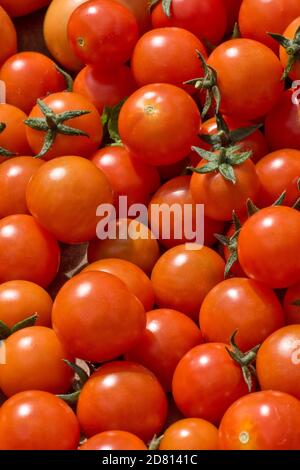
(292, 48)
(53, 124)
(67, 77)
(80, 378)
(166, 6)
(4, 152)
(6, 331)
(155, 442)
(231, 243)
(109, 118)
(244, 360)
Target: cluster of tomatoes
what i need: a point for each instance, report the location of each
(187, 102)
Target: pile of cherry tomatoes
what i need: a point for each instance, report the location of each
(146, 342)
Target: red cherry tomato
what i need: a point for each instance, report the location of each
(244, 424)
(27, 251)
(24, 418)
(113, 440)
(137, 402)
(13, 136)
(190, 434)
(291, 309)
(24, 7)
(168, 336)
(9, 34)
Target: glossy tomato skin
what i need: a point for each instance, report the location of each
(113, 440)
(292, 312)
(277, 362)
(289, 33)
(249, 78)
(177, 191)
(28, 251)
(207, 20)
(31, 432)
(155, 58)
(18, 72)
(116, 317)
(244, 305)
(51, 197)
(102, 32)
(134, 277)
(181, 278)
(258, 17)
(150, 123)
(132, 391)
(267, 246)
(190, 434)
(15, 174)
(34, 361)
(207, 381)
(220, 196)
(141, 11)
(279, 171)
(127, 176)
(22, 8)
(139, 246)
(169, 335)
(267, 420)
(13, 137)
(104, 87)
(82, 146)
(282, 124)
(9, 33)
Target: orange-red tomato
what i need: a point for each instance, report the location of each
(115, 321)
(22, 90)
(25, 418)
(51, 197)
(168, 336)
(23, 7)
(34, 361)
(135, 279)
(138, 246)
(137, 402)
(190, 434)
(15, 174)
(113, 440)
(13, 137)
(9, 36)
(22, 299)
(291, 310)
(182, 277)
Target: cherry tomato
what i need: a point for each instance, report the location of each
(291, 310)
(249, 78)
(103, 334)
(9, 35)
(155, 58)
(279, 171)
(22, 90)
(244, 424)
(13, 136)
(133, 277)
(289, 33)
(113, 440)
(55, 32)
(14, 177)
(282, 124)
(168, 336)
(89, 124)
(127, 176)
(177, 191)
(27, 251)
(207, 381)
(268, 246)
(36, 420)
(258, 17)
(51, 197)
(207, 20)
(102, 32)
(21, 299)
(221, 196)
(137, 402)
(138, 246)
(104, 87)
(151, 124)
(190, 434)
(24, 7)
(181, 278)
(244, 305)
(34, 361)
